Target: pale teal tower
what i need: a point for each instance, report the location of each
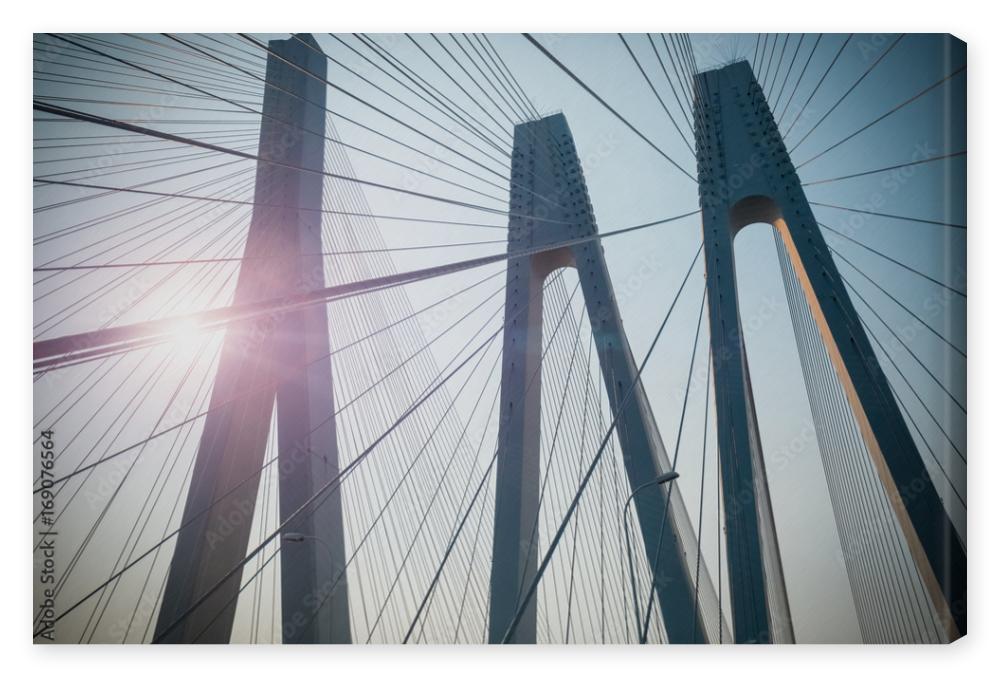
(746, 176)
(549, 203)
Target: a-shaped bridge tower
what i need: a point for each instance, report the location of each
(745, 177)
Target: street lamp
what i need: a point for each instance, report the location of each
(665, 478)
(302, 537)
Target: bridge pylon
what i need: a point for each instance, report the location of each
(746, 176)
(549, 203)
(281, 360)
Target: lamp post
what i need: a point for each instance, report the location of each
(302, 537)
(665, 478)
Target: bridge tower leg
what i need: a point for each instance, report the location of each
(746, 176)
(264, 361)
(549, 203)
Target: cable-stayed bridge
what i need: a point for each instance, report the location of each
(331, 345)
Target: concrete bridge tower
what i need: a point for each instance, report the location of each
(746, 176)
(281, 359)
(549, 203)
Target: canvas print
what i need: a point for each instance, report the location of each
(646, 338)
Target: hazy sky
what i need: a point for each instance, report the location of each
(629, 183)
